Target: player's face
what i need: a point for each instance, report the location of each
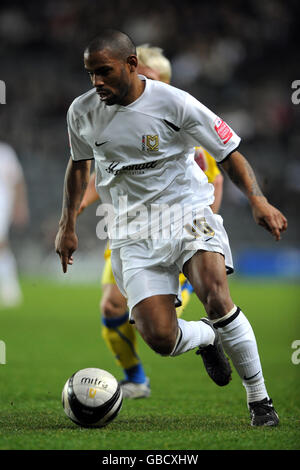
(110, 76)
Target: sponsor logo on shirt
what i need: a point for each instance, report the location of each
(150, 143)
(138, 168)
(223, 130)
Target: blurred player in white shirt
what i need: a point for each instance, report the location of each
(140, 133)
(13, 211)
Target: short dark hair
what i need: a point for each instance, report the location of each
(119, 43)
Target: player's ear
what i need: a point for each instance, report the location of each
(132, 61)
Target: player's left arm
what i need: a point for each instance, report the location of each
(242, 175)
(75, 184)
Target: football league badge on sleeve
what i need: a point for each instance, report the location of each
(223, 130)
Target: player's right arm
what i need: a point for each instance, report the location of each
(76, 181)
(90, 195)
(75, 184)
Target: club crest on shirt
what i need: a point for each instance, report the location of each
(150, 143)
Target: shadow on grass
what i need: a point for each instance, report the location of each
(178, 423)
(10, 422)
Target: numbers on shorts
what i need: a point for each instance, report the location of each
(200, 227)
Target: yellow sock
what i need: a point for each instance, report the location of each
(121, 339)
(186, 290)
(185, 294)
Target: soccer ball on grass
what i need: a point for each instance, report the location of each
(92, 397)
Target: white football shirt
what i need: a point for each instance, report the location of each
(143, 152)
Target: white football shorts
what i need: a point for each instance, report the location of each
(150, 267)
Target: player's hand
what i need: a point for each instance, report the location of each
(66, 243)
(270, 218)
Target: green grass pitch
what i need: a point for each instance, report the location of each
(57, 331)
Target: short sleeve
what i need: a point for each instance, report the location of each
(201, 126)
(80, 149)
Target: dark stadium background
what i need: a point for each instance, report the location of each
(238, 58)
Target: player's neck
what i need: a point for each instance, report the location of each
(137, 89)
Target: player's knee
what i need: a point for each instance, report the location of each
(110, 310)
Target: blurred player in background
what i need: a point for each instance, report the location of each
(118, 333)
(13, 211)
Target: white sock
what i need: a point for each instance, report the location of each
(239, 343)
(192, 334)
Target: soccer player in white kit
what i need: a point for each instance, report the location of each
(140, 133)
(13, 210)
